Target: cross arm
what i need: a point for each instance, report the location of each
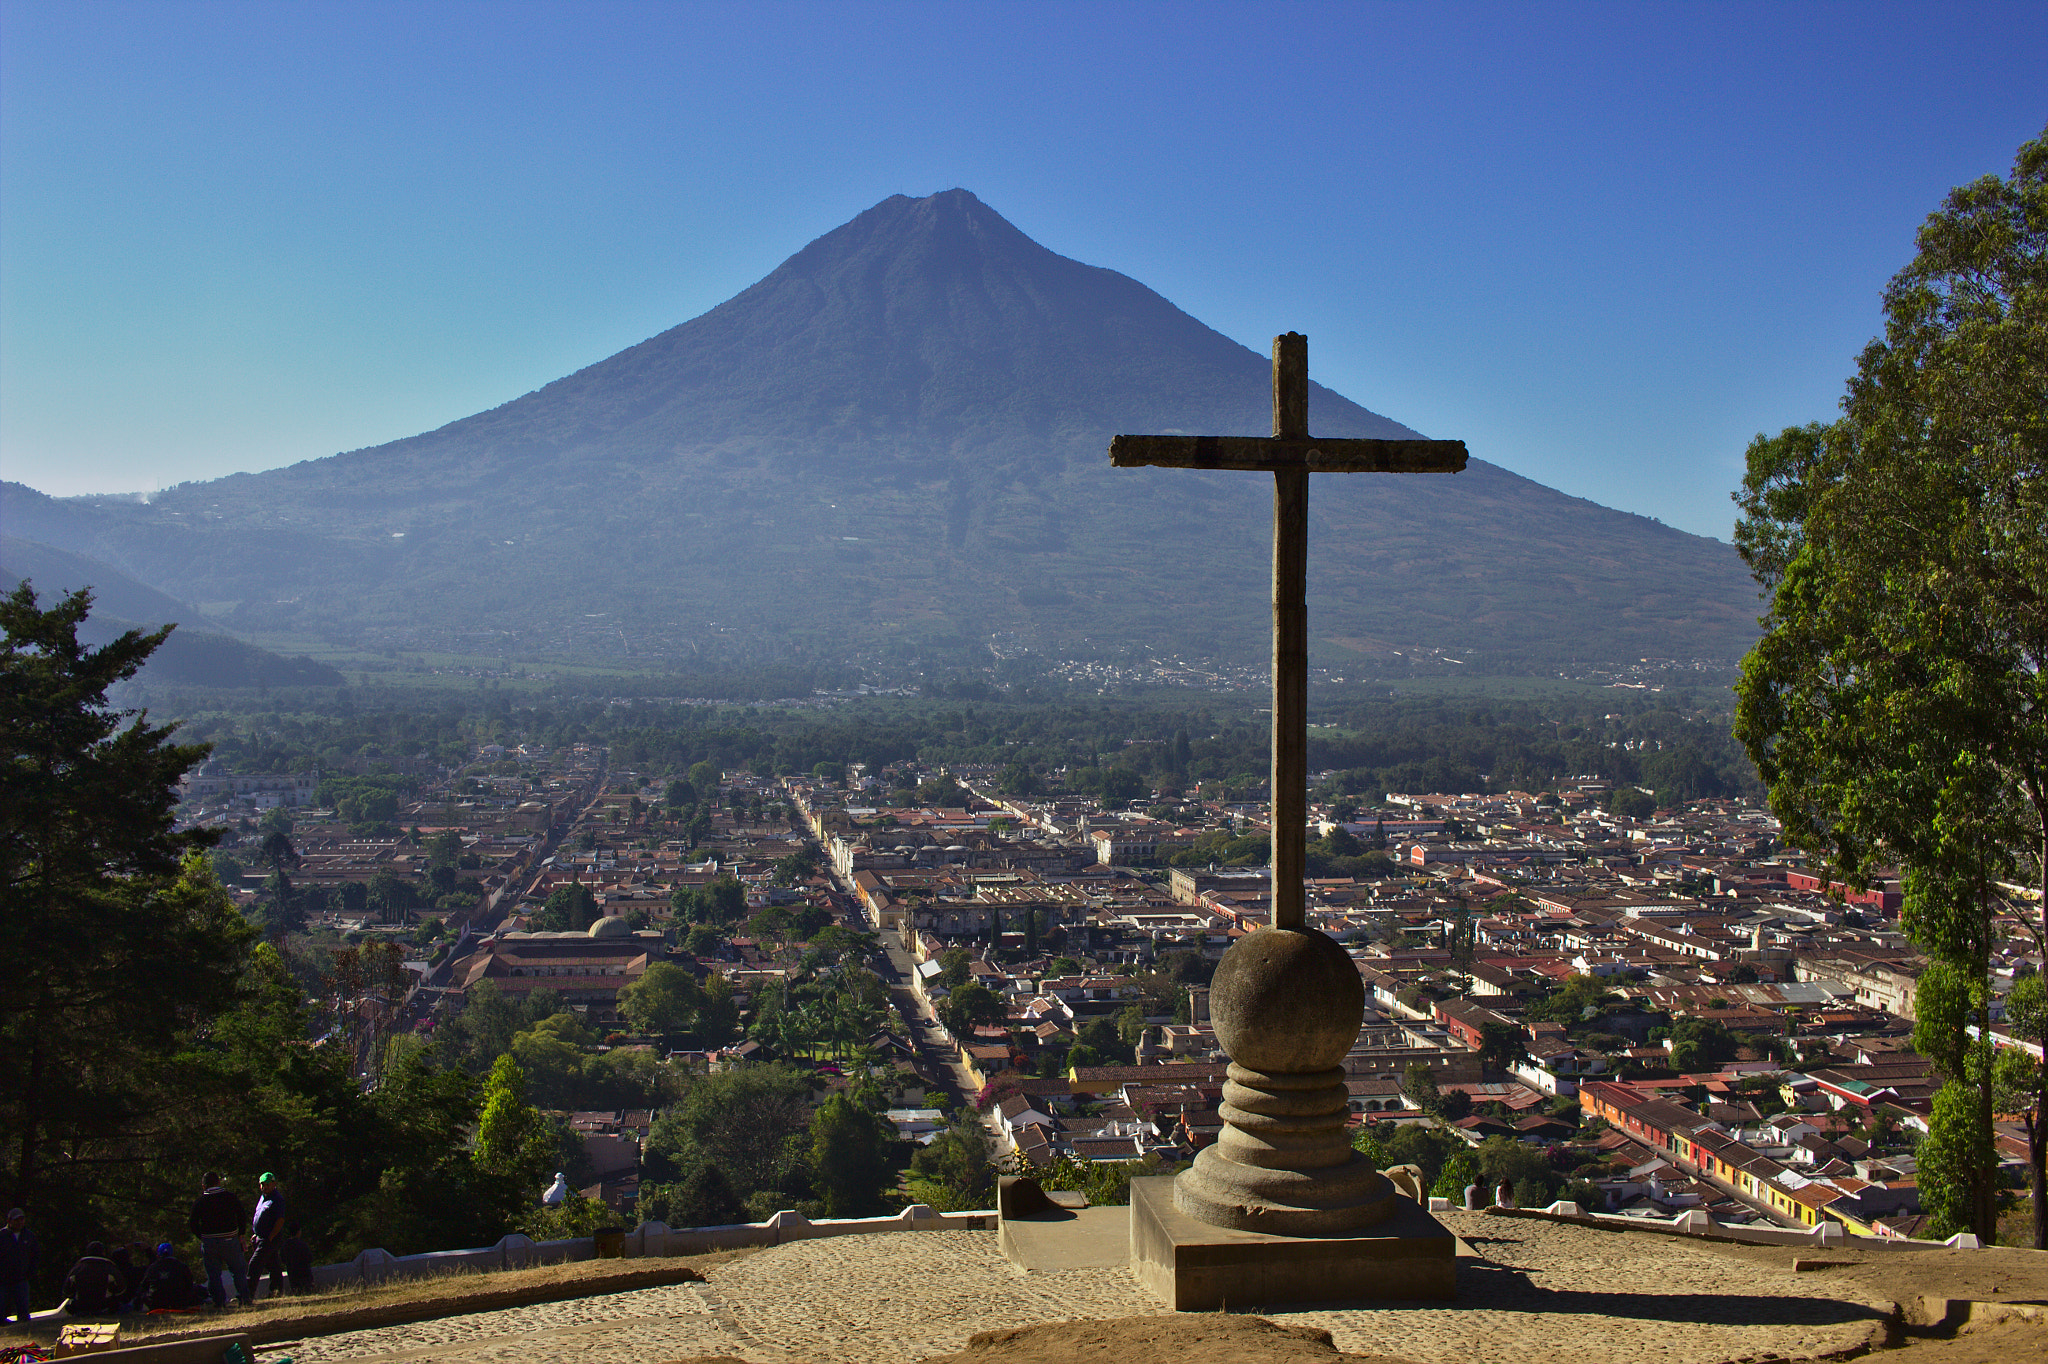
(1267, 453)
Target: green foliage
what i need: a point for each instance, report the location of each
(1519, 1164)
(1697, 1043)
(721, 902)
(1428, 1148)
(514, 1146)
(852, 1155)
(1577, 1002)
(969, 1007)
(943, 792)
(1224, 850)
(123, 942)
(1953, 1160)
(752, 1122)
(1106, 1182)
(1502, 1045)
(1897, 705)
(664, 1001)
(1629, 802)
(569, 909)
(703, 1198)
(953, 1172)
(573, 1216)
(1460, 1171)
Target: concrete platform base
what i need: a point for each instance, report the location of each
(1194, 1267)
(1085, 1238)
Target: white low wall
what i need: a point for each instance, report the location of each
(1697, 1223)
(648, 1240)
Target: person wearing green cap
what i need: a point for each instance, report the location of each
(265, 1228)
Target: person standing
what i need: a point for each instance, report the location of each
(17, 1266)
(217, 1220)
(265, 1227)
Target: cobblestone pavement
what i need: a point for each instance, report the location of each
(1539, 1293)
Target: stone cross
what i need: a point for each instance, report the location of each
(1286, 1000)
(1292, 455)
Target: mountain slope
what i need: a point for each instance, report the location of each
(895, 443)
(192, 655)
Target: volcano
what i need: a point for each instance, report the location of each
(894, 447)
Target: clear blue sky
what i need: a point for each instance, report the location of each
(1604, 244)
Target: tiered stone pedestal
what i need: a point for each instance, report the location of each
(1192, 1266)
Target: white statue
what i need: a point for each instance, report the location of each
(557, 1191)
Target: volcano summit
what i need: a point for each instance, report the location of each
(893, 446)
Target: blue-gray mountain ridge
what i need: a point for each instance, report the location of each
(893, 446)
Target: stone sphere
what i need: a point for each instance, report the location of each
(1286, 1000)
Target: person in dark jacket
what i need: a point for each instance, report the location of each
(17, 1266)
(94, 1284)
(265, 1227)
(217, 1220)
(131, 1273)
(297, 1257)
(167, 1284)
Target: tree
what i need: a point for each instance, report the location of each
(390, 898)
(851, 1158)
(515, 1149)
(749, 1121)
(569, 909)
(1897, 704)
(1697, 1043)
(1574, 1003)
(972, 1006)
(718, 1016)
(1628, 802)
(953, 1173)
(800, 865)
(1502, 1045)
(703, 940)
(704, 1198)
(725, 900)
(120, 935)
(663, 1001)
(1419, 1084)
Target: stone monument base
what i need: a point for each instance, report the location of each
(1194, 1267)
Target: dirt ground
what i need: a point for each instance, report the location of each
(1207, 1338)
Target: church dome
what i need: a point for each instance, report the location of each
(611, 928)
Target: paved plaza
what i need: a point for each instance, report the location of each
(1536, 1293)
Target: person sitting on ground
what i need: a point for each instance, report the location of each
(297, 1257)
(94, 1284)
(123, 1257)
(168, 1285)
